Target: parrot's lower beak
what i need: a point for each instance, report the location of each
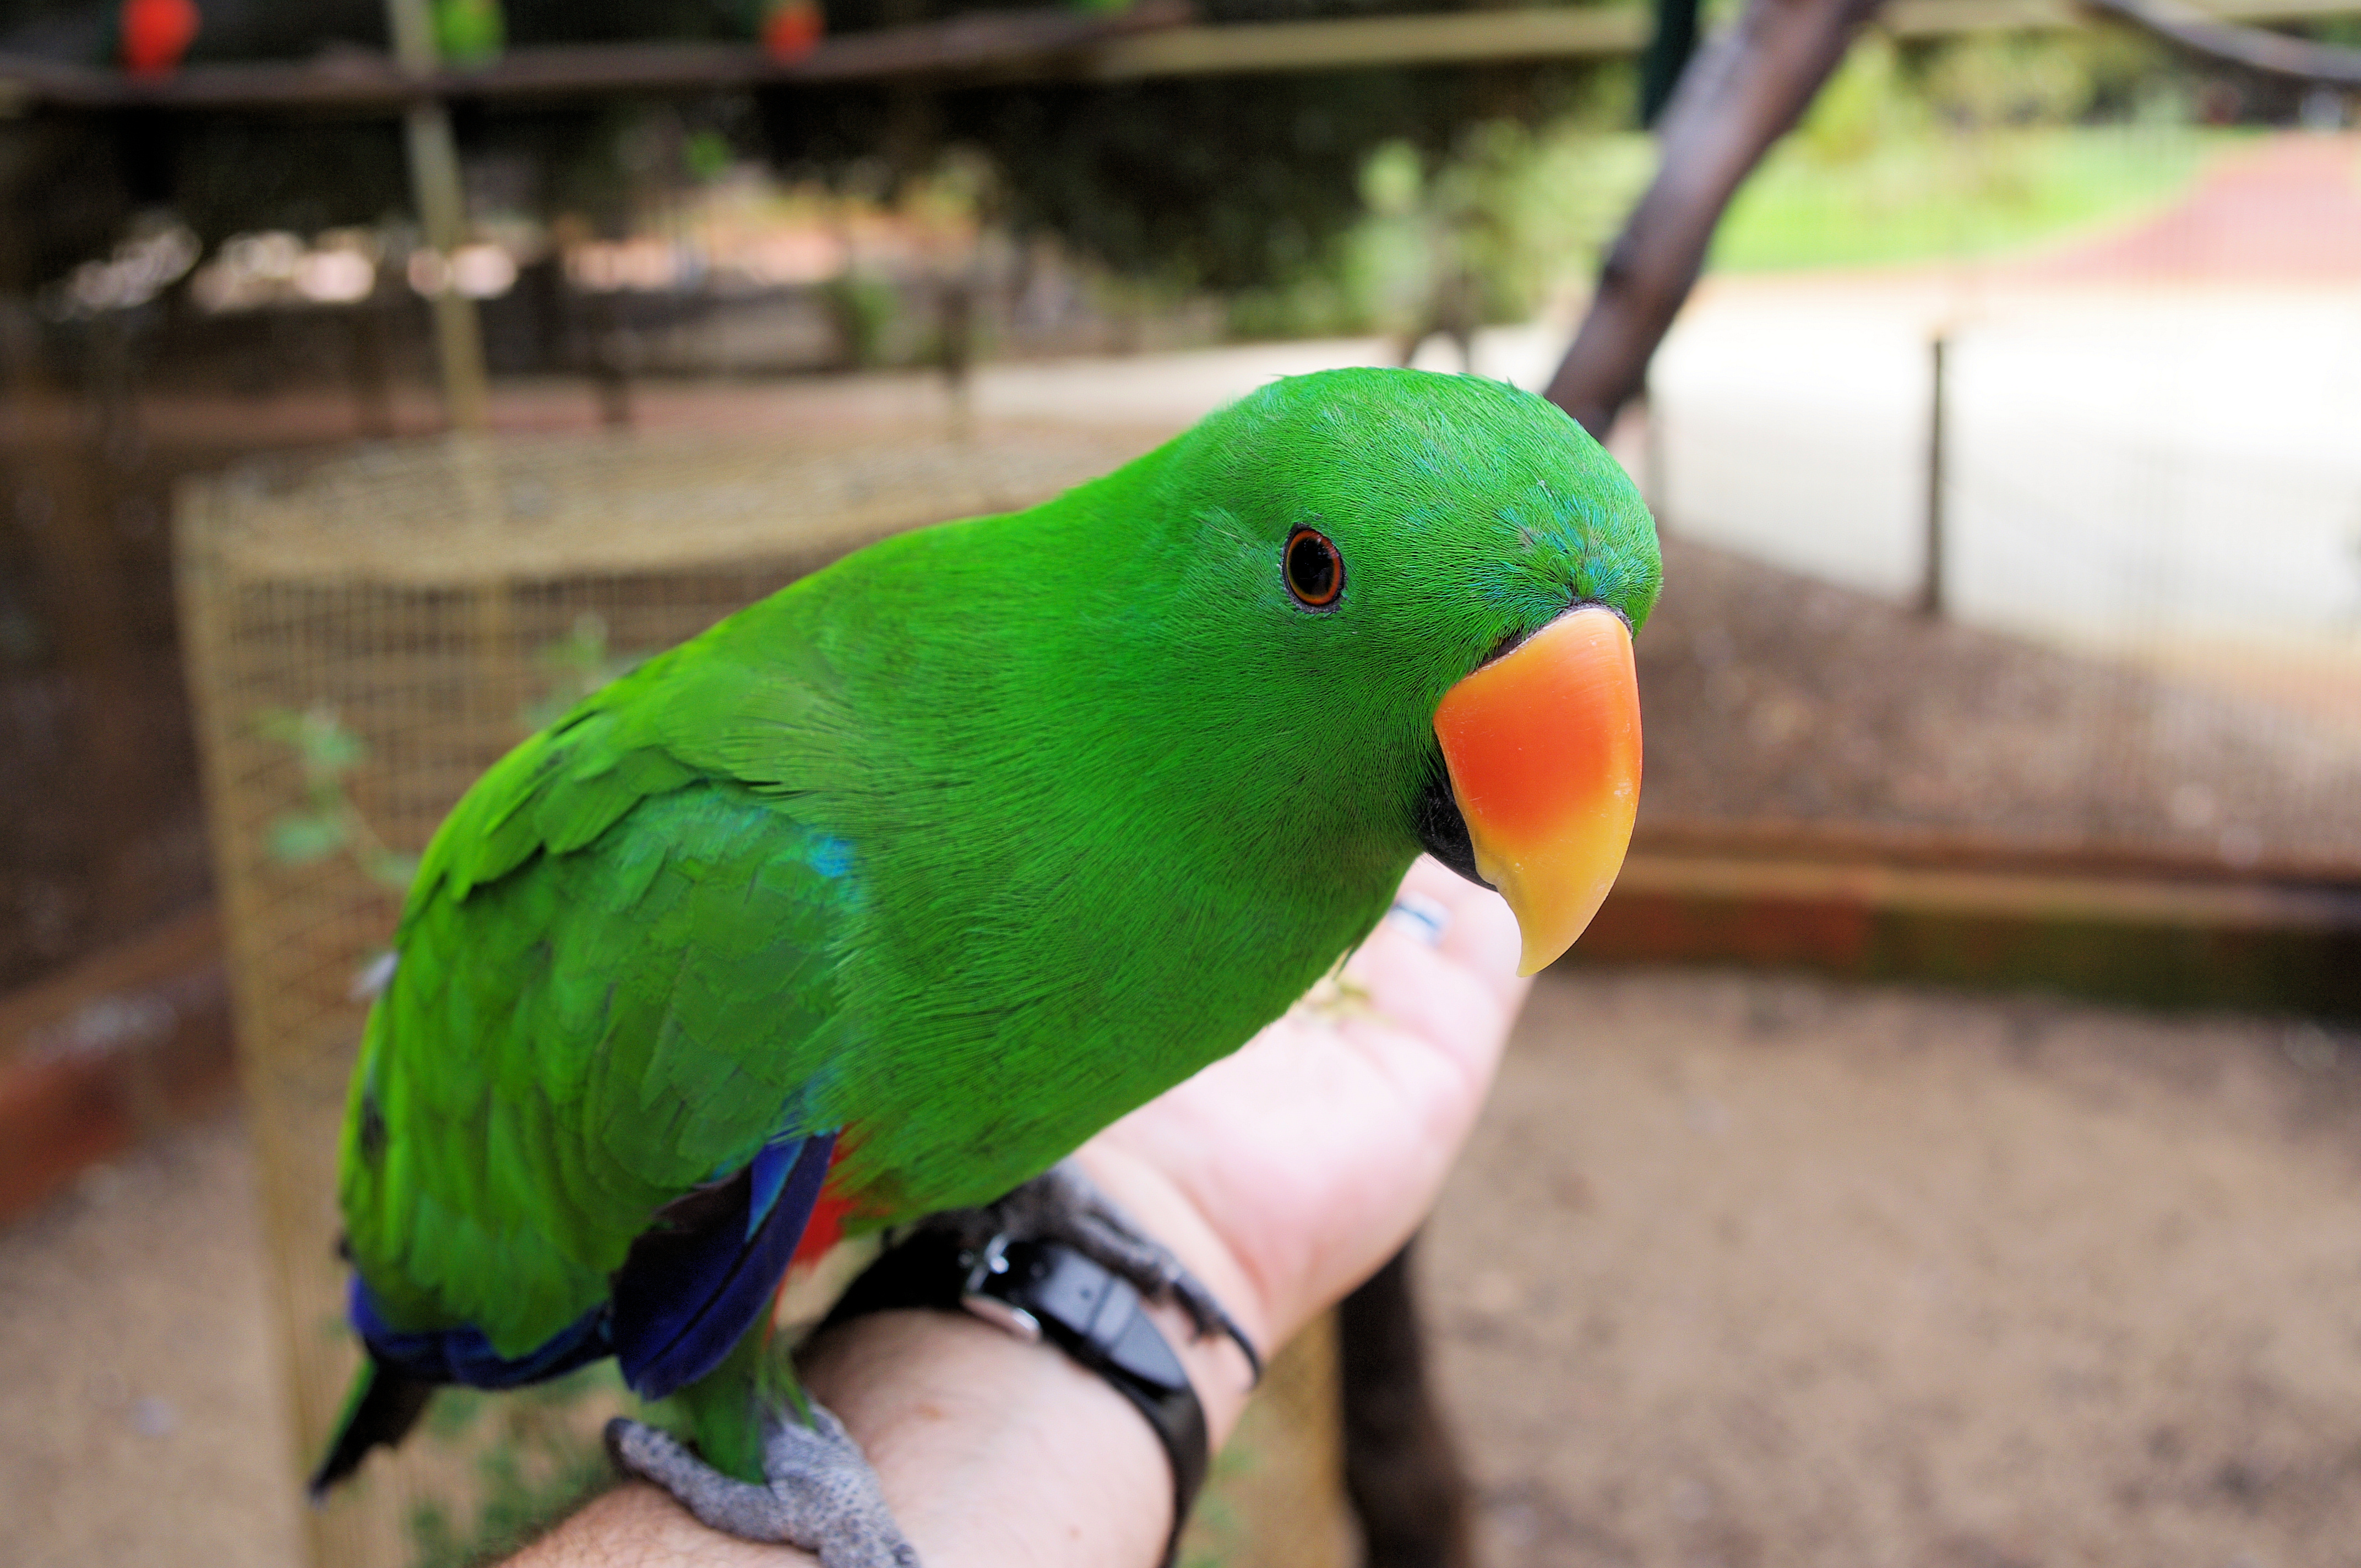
(1543, 746)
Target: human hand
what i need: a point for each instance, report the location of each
(1280, 1175)
(1285, 1174)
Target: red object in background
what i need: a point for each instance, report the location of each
(791, 29)
(156, 34)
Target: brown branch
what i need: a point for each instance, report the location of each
(1740, 95)
(2254, 48)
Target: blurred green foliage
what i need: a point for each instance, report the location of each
(1961, 150)
(1318, 203)
(863, 309)
(1517, 215)
(1931, 196)
(575, 665)
(534, 1454)
(1232, 184)
(2106, 73)
(328, 823)
(469, 32)
(2003, 79)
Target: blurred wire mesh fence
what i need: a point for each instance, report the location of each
(2150, 504)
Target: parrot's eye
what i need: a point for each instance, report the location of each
(1315, 571)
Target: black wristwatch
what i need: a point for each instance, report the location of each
(1046, 1289)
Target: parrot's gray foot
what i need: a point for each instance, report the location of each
(819, 1492)
(1065, 1205)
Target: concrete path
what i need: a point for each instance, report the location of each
(2124, 465)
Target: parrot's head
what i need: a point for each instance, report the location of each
(1426, 588)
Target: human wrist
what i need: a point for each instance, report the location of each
(1063, 1296)
(992, 1453)
(990, 1450)
(1162, 1209)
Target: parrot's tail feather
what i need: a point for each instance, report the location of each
(382, 1409)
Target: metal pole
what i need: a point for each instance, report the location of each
(1653, 467)
(1930, 588)
(443, 214)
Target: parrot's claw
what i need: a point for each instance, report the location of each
(819, 1493)
(1064, 1204)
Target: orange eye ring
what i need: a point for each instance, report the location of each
(1313, 568)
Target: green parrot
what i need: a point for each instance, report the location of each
(469, 32)
(882, 896)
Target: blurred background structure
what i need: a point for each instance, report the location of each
(2008, 456)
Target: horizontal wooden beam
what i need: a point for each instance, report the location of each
(1449, 38)
(129, 1041)
(2252, 945)
(1151, 40)
(362, 82)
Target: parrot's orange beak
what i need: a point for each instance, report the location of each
(1542, 745)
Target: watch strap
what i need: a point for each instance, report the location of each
(1046, 1289)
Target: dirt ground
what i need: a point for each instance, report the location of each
(1750, 1270)
(141, 1421)
(1741, 1270)
(1768, 695)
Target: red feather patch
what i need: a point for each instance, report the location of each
(826, 1226)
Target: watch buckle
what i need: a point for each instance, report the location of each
(991, 1264)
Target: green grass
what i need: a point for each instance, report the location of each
(1874, 178)
(1933, 194)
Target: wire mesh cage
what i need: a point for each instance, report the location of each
(365, 636)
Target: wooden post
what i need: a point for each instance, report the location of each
(1652, 463)
(1401, 1468)
(443, 214)
(1930, 586)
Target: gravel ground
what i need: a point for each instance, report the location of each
(1740, 1270)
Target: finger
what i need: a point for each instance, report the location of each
(1470, 927)
(1437, 1034)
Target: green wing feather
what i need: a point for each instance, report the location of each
(615, 980)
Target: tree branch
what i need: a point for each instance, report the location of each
(1738, 97)
(2254, 48)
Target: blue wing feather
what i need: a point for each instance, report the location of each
(692, 1285)
(689, 1291)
